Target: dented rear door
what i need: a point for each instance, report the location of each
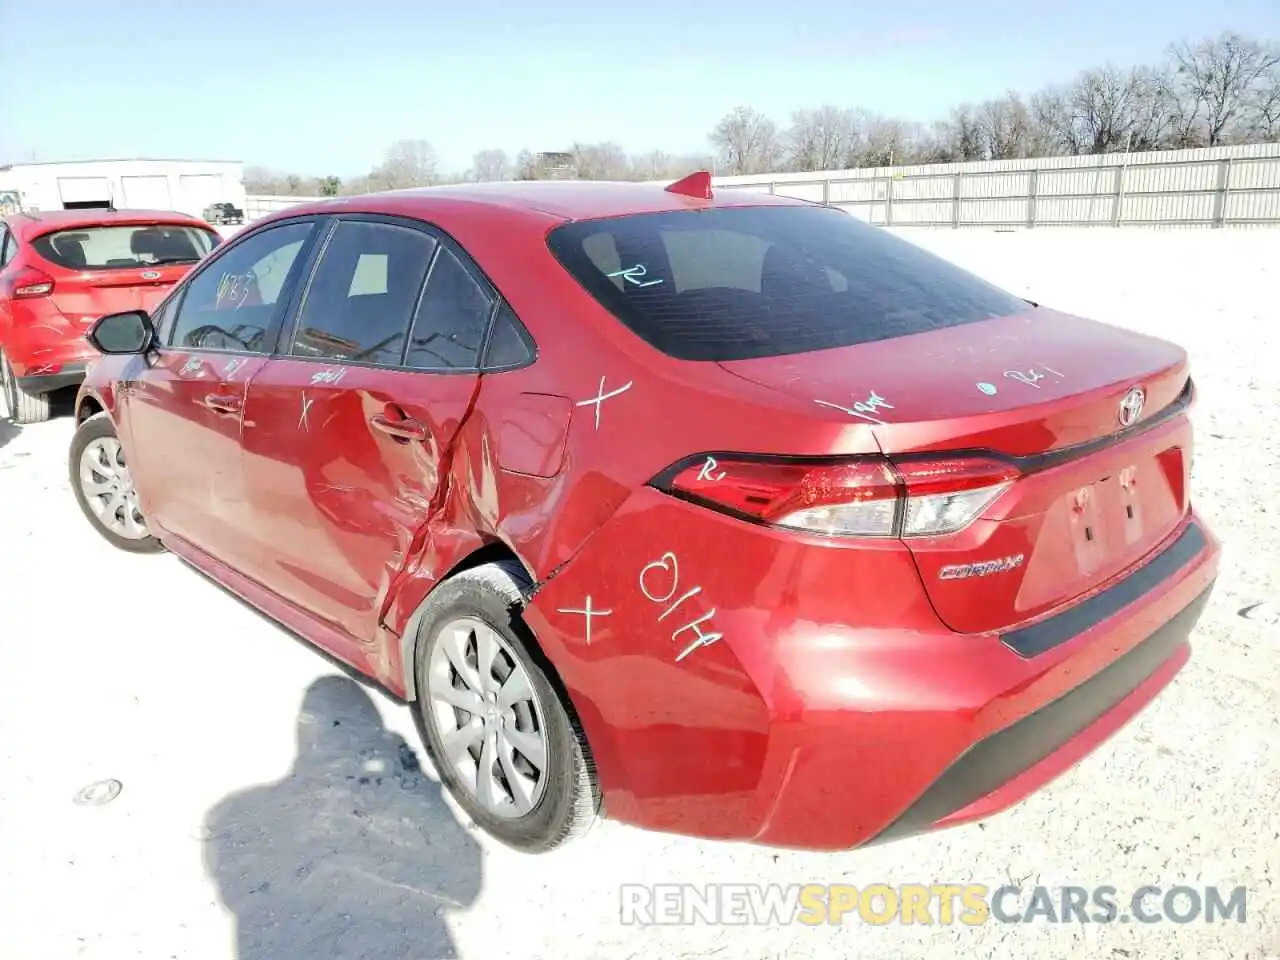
(348, 437)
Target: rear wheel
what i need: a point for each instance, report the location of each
(20, 406)
(506, 743)
(104, 487)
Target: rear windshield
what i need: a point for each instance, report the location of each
(109, 248)
(743, 282)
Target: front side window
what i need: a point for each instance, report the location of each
(361, 299)
(231, 303)
(125, 247)
(736, 283)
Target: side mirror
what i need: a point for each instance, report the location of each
(122, 333)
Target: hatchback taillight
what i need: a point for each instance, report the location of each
(26, 283)
(852, 498)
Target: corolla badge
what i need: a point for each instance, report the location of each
(150, 274)
(962, 571)
(1131, 407)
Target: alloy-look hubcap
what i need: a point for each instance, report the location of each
(488, 717)
(108, 489)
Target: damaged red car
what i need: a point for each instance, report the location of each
(62, 270)
(726, 515)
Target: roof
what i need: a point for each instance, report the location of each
(558, 199)
(40, 222)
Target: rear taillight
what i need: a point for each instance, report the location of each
(946, 495)
(26, 283)
(856, 498)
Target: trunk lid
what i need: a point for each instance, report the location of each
(1044, 390)
(84, 297)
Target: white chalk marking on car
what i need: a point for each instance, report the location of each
(601, 397)
(586, 612)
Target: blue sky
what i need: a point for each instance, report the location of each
(323, 87)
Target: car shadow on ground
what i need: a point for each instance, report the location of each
(353, 854)
(8, 430)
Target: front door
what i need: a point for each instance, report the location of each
(186, 408)
(344, 433)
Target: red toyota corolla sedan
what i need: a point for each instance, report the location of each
(723, 515)
(60, 271)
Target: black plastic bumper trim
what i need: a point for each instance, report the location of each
(1039, 637)
(1003, 755)
(72, 375)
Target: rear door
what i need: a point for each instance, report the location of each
(346, 432)
(186, 407)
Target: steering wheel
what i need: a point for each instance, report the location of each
(208, 337)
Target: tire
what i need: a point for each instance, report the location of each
(567, 801)
(99, 433)
(22, 407)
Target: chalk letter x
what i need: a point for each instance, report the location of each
(587, 613)
(302, 420)
(601, 397)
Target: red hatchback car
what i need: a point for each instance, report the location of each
(62, 270)
(723, 515)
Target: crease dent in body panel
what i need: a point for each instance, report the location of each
(406, 565)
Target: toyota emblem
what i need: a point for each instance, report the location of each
(1131, 407)
(150, 274)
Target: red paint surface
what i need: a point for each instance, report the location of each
(834, 686)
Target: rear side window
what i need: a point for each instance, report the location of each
(745, 282)
(363, 294)
(112, 248)
(451, 322)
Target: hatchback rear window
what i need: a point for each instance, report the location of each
(119, 247)
(743, 282)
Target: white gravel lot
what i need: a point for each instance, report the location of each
(249, 829)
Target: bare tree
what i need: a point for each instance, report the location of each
(957, 138)
(1055, 120)
(821, 139)
(747, 141)
(1265, 108)
(273, 183)
(1111, 106)
(1005, 128)
(886, 141)
(490, 165)
(408, 163)
(1154, 109)
(655, 165)
(1215, 82)
(526, 165)
(601, 161)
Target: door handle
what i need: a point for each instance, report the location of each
(399, 429)
(222, 404)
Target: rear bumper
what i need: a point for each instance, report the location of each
(66, 375)
(835, 710)
(1009, 765)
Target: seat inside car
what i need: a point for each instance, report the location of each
(162, 245)
(71, 249)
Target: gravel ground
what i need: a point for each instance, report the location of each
(272, 809)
